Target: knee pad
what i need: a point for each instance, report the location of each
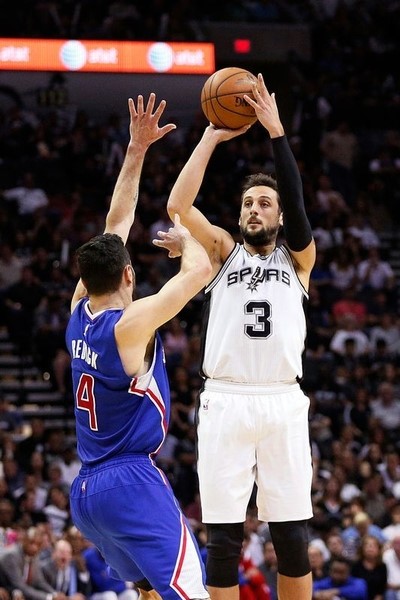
(290, 539)
(224, 545)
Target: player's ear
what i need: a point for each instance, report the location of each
(129, 274)
(281, 219)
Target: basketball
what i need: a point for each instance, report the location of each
(222, 98)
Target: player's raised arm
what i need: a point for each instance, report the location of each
(144, 130)
(296, 225)
(187, 186)
(144, 316)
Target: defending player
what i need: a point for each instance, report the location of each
(253, 415)
(121, 501)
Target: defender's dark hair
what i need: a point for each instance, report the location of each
(101, 262)
(259, 179)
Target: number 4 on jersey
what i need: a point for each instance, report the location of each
(85, 399)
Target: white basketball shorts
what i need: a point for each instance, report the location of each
(254, 434)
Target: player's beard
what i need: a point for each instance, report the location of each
(262, 237)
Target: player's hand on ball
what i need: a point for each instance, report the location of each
(220, 134)
(265, 107)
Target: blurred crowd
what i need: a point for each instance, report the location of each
(57, 172)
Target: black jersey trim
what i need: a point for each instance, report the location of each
(286, 252)
(223, 268)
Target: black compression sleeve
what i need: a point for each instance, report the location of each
(296, 225)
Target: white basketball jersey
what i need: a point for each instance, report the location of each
(255, 320)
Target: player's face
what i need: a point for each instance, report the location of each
(260, 216)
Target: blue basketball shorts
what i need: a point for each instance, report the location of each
(127, 509)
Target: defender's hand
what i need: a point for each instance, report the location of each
(144, 126)
(173, 239)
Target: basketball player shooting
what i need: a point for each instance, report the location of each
(120, 500)
(253, 414)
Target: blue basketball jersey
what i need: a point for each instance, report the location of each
(115, 414)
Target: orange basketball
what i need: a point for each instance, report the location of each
(222, 98)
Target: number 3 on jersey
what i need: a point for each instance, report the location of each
(262, 312)
(85, 399)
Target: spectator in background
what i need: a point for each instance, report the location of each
(27, 513)
(42, 264)
(54, 475)
(20, 301)
(385, 165)
(319, 565)
(374, 499)
(69, 464)
(340, 583)
(370, 566)
(78, 544)
(392, 530)
(8, 527)
(269, 568)
(37, 488)
(349, 331)
(49, 326)
(343, 270)
(63, 574)
(391, 558)
(360, 234)
(340, 150)
(11, 420)
(28, 197)
(37, 471)
(358, 411)
(21, 568)
(34, 441)
(386, 410)
(351, 305)
(105, 587)
(387, 328)
(353, 535)
(330, 201)
(331, 503)
(328, 232)
(13, 475)
(390, 466)
(252, 584)
(56, 510)
(10, 266)
(253, 548)
(54, 446)
(374, 274)
(4, 490)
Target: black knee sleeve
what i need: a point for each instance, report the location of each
(290, 539)
(144, 585)
(224, 545)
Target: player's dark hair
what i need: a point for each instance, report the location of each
(101, 263)
(260, 179)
